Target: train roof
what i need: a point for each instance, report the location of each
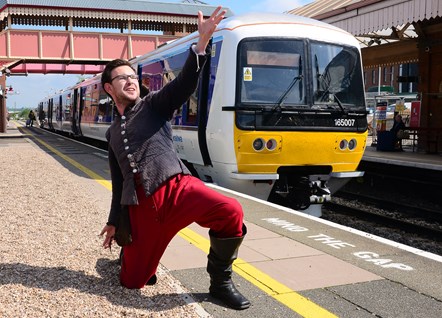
(91, 80)
(252, 18)
(258, 19)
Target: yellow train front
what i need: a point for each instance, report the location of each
(279, 112)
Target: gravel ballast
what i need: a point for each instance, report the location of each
(52, 263)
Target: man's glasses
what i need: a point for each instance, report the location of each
(125, 77)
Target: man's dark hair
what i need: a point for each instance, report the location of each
(106, 75)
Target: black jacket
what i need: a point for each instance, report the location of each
(397, 125)
(140, 141)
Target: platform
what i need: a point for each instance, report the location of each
(290, 264)
(12, 130)
(406, 158)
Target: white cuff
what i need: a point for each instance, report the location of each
(197, 59)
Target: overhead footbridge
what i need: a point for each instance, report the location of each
(79, 37)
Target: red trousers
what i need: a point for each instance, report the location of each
(179, 202)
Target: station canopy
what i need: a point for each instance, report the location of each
(392, 24)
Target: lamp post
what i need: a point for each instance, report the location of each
(4, 91)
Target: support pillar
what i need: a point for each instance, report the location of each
(3, 104)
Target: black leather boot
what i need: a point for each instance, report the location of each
(223, 251)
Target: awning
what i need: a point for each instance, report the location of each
(363, 17)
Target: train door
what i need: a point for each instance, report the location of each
(50, 112)
(45, 114)
(58, 102)
(40, 115)
(60, 118)
(203, 110)
(66, 112)
(76, 113)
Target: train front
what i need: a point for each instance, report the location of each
(300, 116)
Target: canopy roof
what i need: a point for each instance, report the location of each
(133, 10)
(388, 30)
(362, 17)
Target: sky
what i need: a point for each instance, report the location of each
(29, 90)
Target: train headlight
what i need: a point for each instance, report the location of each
(343, 144)
(352, 144)
(258, 144)
(271, 144)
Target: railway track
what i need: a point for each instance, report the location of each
(404, 223)
(408, 210)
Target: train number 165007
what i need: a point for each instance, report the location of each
(344, 122)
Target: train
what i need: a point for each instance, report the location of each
(279, 112)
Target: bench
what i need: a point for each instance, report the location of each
(430, 136)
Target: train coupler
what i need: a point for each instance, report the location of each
(320, 192)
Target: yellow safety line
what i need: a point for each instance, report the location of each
(90, 173)
(270, 286)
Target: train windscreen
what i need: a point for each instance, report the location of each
(337, 77)
(295, 84)
(271, 72)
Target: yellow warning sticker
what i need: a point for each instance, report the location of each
(247, 74)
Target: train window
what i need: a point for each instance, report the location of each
(337, 77)
(187, 114)
(269, 72)
(192, 108)
(104, 114)
(57, 108)
(67, 107)
(158, 74)
(90, 103)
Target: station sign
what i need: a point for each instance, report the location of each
(381, 116)
(415, 114)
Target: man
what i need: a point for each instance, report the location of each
(151, 181)
(398, 125)
(31, 118)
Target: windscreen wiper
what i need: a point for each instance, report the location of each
(286, 93)
(339, 103)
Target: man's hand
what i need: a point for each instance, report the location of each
(109, 230)
(207, 27)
